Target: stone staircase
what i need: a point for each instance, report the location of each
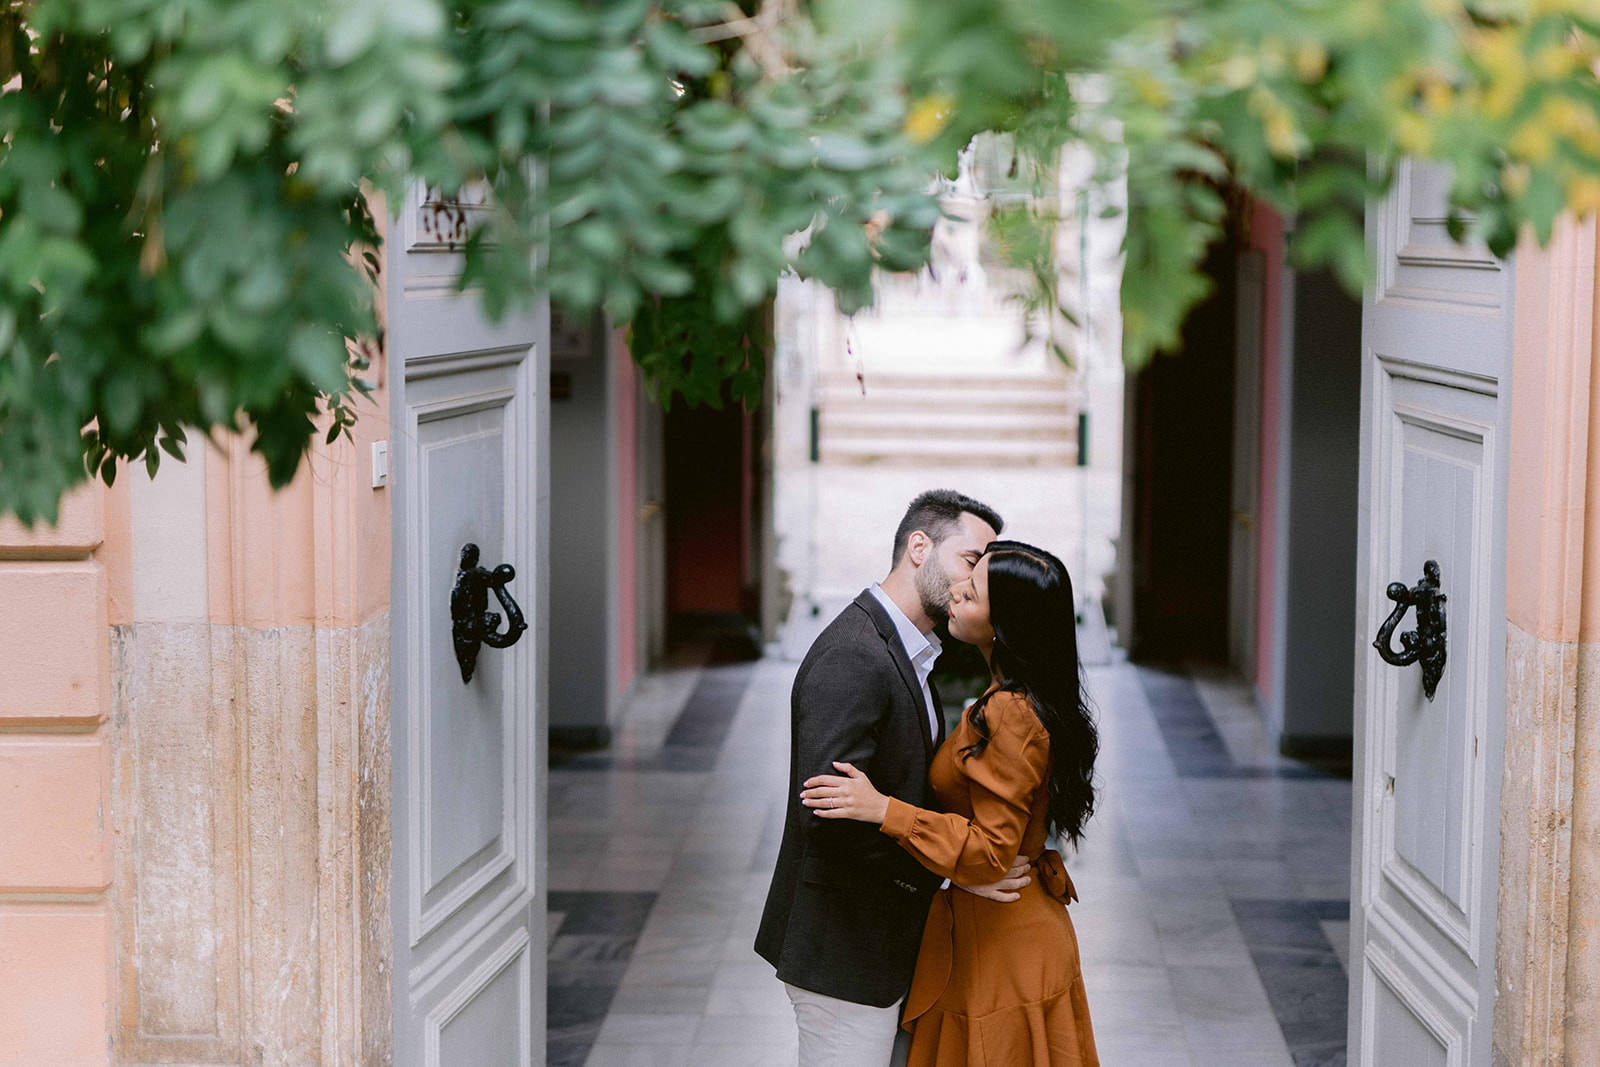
(1019, 418)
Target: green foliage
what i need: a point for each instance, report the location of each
(184, 231)
(675, 176)
(185, 241)
(1306, 105)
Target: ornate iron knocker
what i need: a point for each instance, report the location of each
(1426, 643)
(472, 623)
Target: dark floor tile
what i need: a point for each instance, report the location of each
(696, 735)
(695, 759)
(567, 1054)
(1309, 1001)
(586, 974)
(1331, 1056)
(1292, 771)
(1280, 924)
(1289, 958)
(575, 1013)
(687, 759)
(616, 913)
(1324, 1032)
(586, 962)
(568, 947)
(709, 711)
(1191, 737)
(1305, 983)
(1332, 910)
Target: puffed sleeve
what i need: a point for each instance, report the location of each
(1003, 779)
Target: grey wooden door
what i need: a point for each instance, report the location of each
(469, 412)
(1436, 335)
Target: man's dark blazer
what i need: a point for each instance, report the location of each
(845, 911)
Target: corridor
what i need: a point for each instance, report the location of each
(1213, 883)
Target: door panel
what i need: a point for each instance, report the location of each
(469, 419)
(464, 781)
(1437, 345)
(1442, 445)
(469, 1026)
(1405, 1025)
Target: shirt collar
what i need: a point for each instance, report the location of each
(919, 646)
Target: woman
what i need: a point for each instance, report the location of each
(998, 983)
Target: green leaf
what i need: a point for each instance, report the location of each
(353, 30)
(123, 402)
(715, 127)
(672, 48)
(560, 20)
(318, 355)
(844, 152)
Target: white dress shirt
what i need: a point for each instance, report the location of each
(921, 649)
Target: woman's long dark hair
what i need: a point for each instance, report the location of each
(1036, 654)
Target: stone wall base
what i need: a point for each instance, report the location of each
(251, 788)
(1547, 959)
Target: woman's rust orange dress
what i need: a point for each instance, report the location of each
(996, 984)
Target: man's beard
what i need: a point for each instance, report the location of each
(933, 589)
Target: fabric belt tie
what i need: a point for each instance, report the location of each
(1053, 876)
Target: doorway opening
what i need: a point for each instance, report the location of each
(1238, 602)
(1241, 499)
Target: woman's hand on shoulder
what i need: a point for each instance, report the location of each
(847, 795)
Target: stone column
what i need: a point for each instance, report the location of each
(55, 817)
(250, 777)
(1547, 966)
(249, 769)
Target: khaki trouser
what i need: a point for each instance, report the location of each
(838, 1033)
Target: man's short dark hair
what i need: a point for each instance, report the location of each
(936, 513)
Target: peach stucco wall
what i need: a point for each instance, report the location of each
(194, 786)
(193, 769)
(55, 830)
(1547, 965)
(1553, 535)
(248, 768)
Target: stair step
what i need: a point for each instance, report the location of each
(877, 399)
(923, 414)
(965, 425)
(989, 381)
(944, 451)
(886, 437)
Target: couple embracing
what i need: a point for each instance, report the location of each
(913, 888)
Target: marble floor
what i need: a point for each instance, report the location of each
(1214, 880)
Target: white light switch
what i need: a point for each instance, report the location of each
(380, 464)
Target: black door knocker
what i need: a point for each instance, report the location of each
(472, 624)
(1426, 642)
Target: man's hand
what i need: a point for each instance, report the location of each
(1006, 889)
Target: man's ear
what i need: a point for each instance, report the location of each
(919, 547)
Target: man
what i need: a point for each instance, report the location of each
(845, 911)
